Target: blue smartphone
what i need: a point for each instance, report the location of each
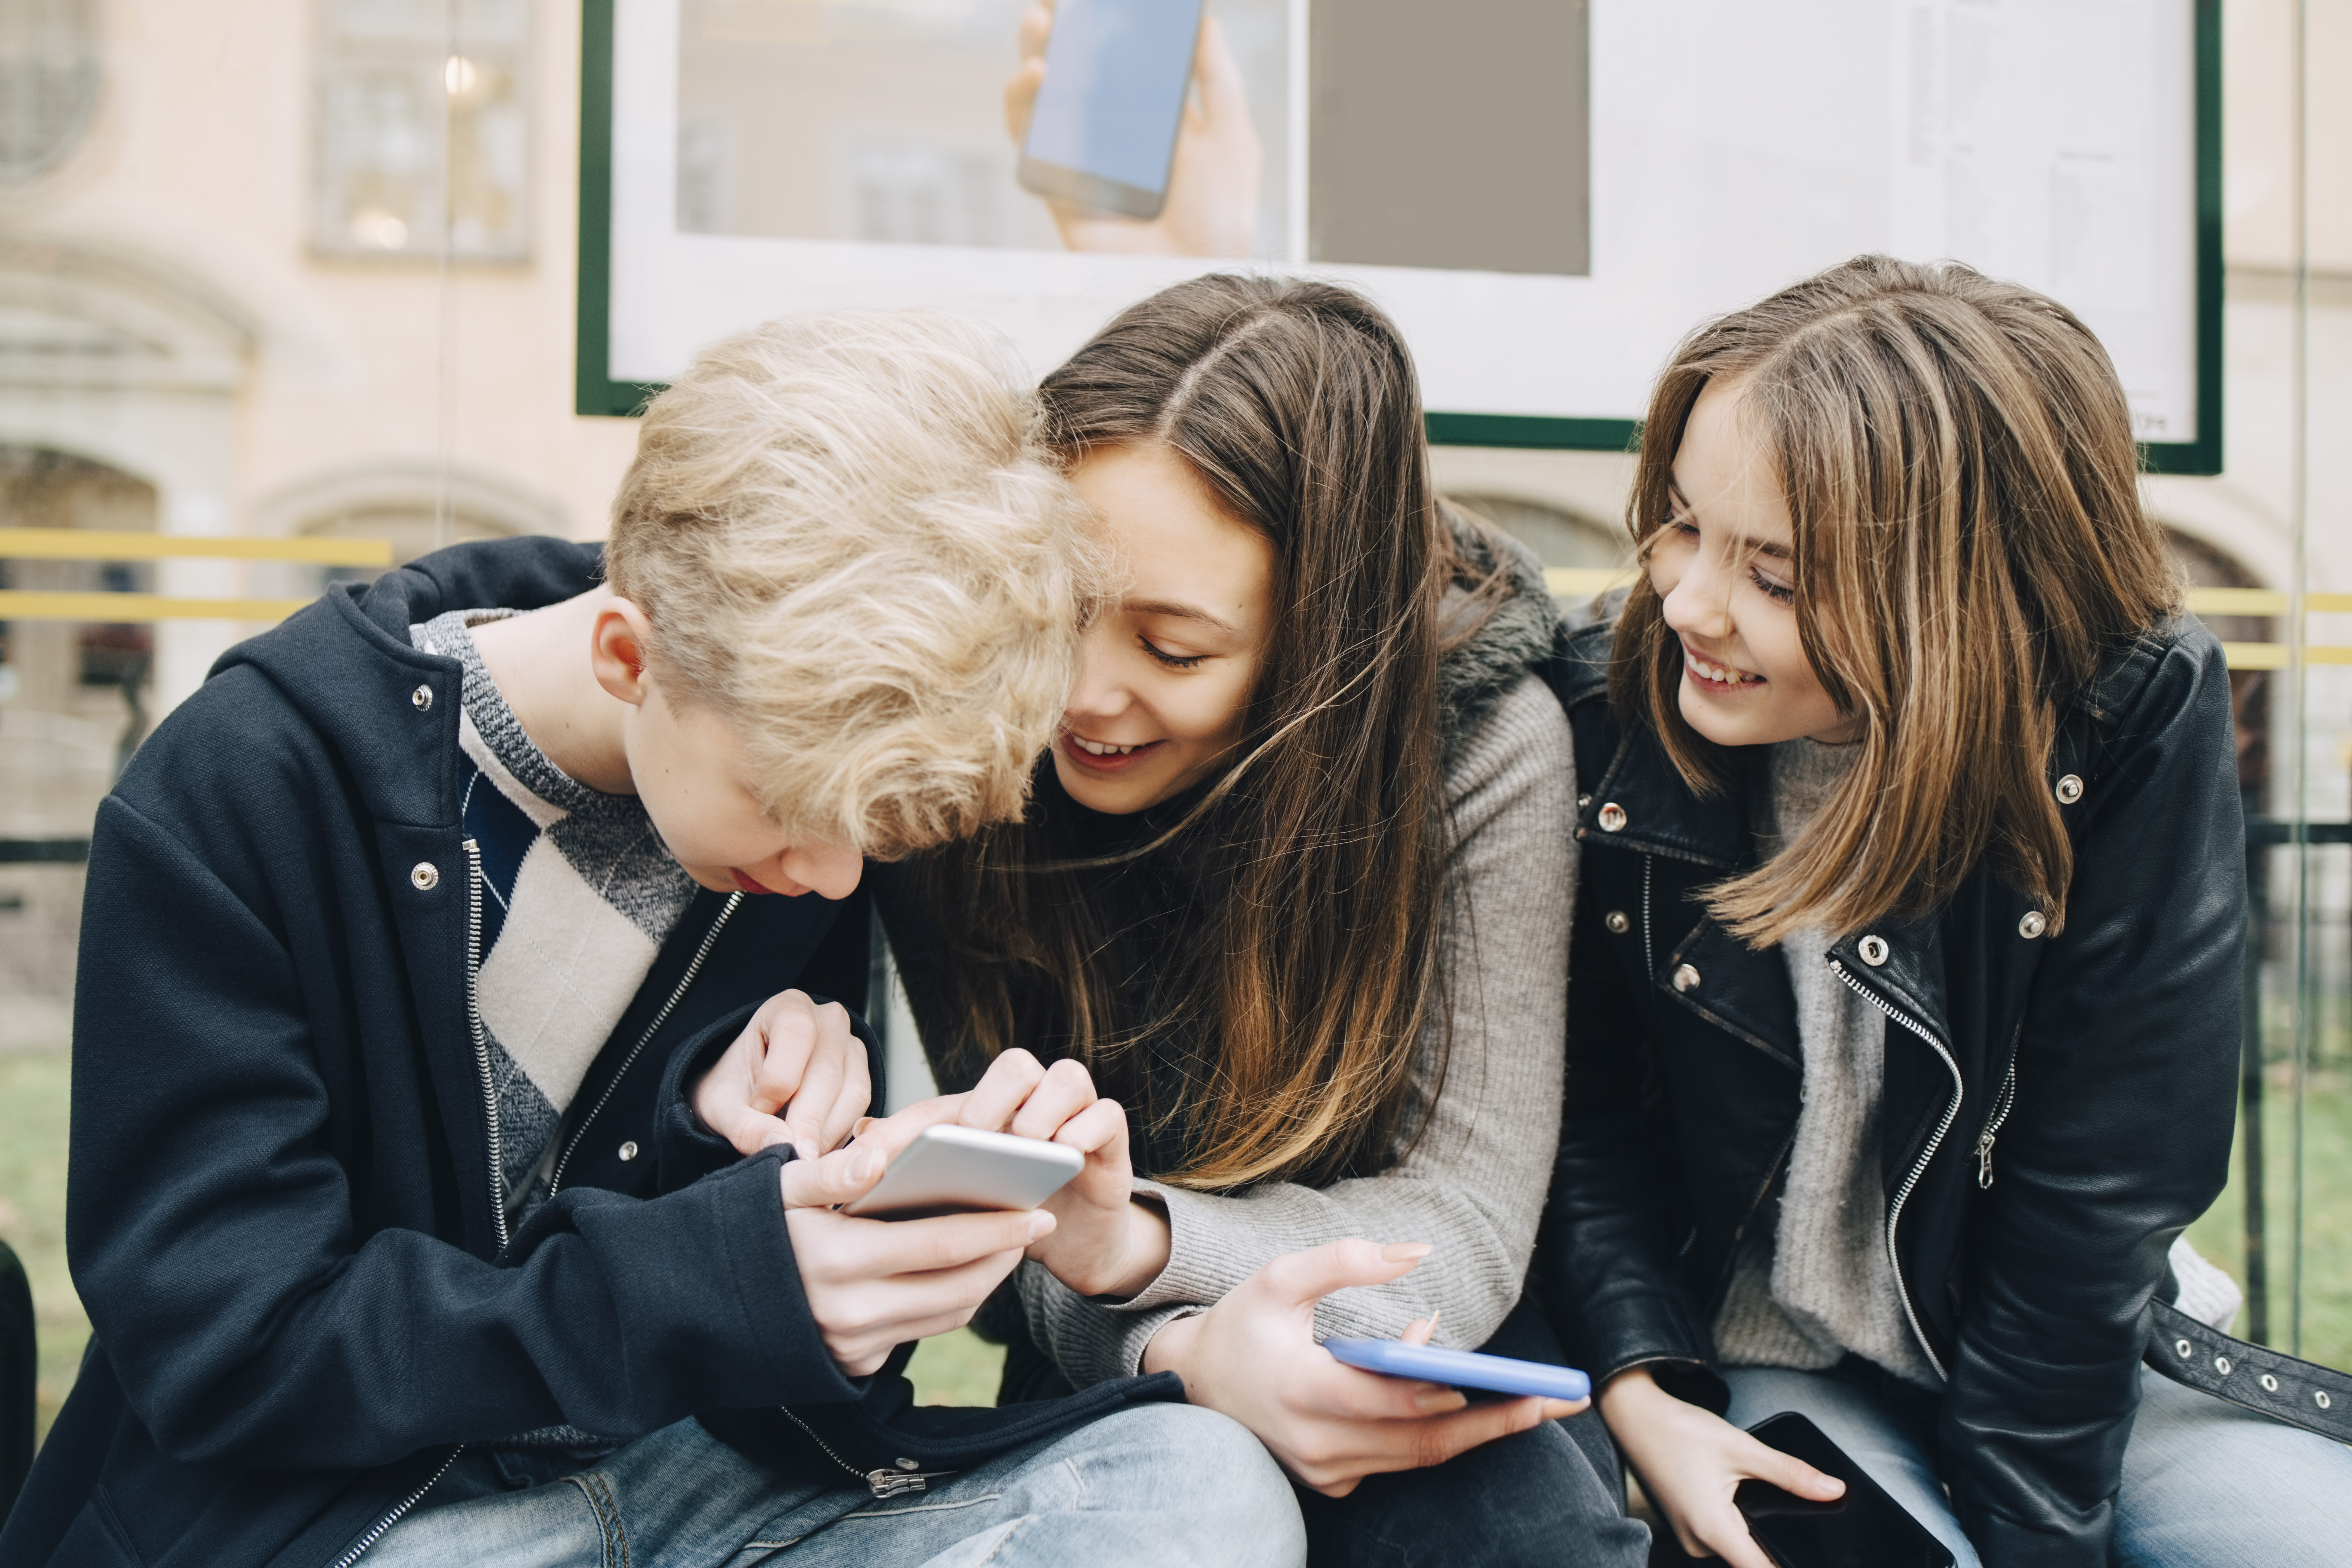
(1462, 1369)
(1102, 133)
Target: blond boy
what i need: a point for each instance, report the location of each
(410, 937)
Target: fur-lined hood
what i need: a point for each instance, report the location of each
(1514, 641)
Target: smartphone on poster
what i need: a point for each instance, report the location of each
(1102, 133)
(1863, 1529)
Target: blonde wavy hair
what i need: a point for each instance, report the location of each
(851, 546)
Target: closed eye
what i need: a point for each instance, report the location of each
(1173, 660)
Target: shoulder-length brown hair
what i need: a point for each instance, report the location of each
(1305, 967)
(1957, 460)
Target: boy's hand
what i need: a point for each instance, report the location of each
(1107, 1243)
(872, 1284)
(795, 1075)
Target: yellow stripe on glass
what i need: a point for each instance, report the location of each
(92, 545)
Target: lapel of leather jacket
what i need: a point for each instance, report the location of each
(1923, 1076)
(1739, 989)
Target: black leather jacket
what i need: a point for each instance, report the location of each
(2057, 1109)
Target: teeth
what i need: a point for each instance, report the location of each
(1099, 749)
(1718, 674)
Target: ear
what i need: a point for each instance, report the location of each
(617, 650)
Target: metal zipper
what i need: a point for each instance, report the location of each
(2000, 1110)
(710, 939)
(883, 1483)
(1649, 963)
(1903, 1193)
(482, 1038)
(399, 1511)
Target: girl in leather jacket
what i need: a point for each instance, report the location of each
(1904, 1021)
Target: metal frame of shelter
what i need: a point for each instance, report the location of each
(598, 393)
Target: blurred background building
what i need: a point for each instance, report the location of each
(301, 272)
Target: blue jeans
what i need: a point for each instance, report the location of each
(1551, 1496)
(1151, 1484)
(2205, 1484)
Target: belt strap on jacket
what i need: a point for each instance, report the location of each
(2296, 1392)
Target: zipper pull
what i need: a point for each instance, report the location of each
(886, 1484)
(1984, 1160)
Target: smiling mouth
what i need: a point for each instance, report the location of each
(1714, 677)
(1106, 756)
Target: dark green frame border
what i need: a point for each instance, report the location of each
(595, 390)
(597, 393)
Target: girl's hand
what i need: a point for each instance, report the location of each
(1692, 1460)
(1253, 1356)
(795, 1075)
(872, 1284)
(1213, 181)
(1106, 1243)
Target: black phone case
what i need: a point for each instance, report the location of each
(1865, 1529)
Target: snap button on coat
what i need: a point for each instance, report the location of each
(1686, 977)
(1873, 950)
(422, 698)
(1613, 818)
(1616, 922)
(2070, 789)
(425, 875)
(2034, 923)
(628, 1151)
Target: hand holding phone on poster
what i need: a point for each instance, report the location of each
(1210, 203)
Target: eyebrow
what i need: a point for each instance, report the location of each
(1182, 611)
(1766, 548)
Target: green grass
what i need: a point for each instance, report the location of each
(33, 1088)
(2326, 1217)
(959, 1368)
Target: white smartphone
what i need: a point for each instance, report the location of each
(961, 1170)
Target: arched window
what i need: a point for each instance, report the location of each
(48, 83)
(419, 507)
(74, 696)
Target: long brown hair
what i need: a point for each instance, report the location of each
(1302, 976)
(1957, 460)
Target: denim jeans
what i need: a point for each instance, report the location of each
(1553, 1495)
(1549, 1496)
(2205, 1484)
(1151, 1484)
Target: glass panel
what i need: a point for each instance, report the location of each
(422, 125)
(2279, 518)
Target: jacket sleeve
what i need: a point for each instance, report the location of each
(216, 1245)
(1605, 1262)
(1473, 1181)
(2119, 1134)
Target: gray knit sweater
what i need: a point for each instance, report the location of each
(1819, 1284)
(1473, 1185)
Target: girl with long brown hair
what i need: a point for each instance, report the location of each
(1292, 899)
(1905, 1021)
